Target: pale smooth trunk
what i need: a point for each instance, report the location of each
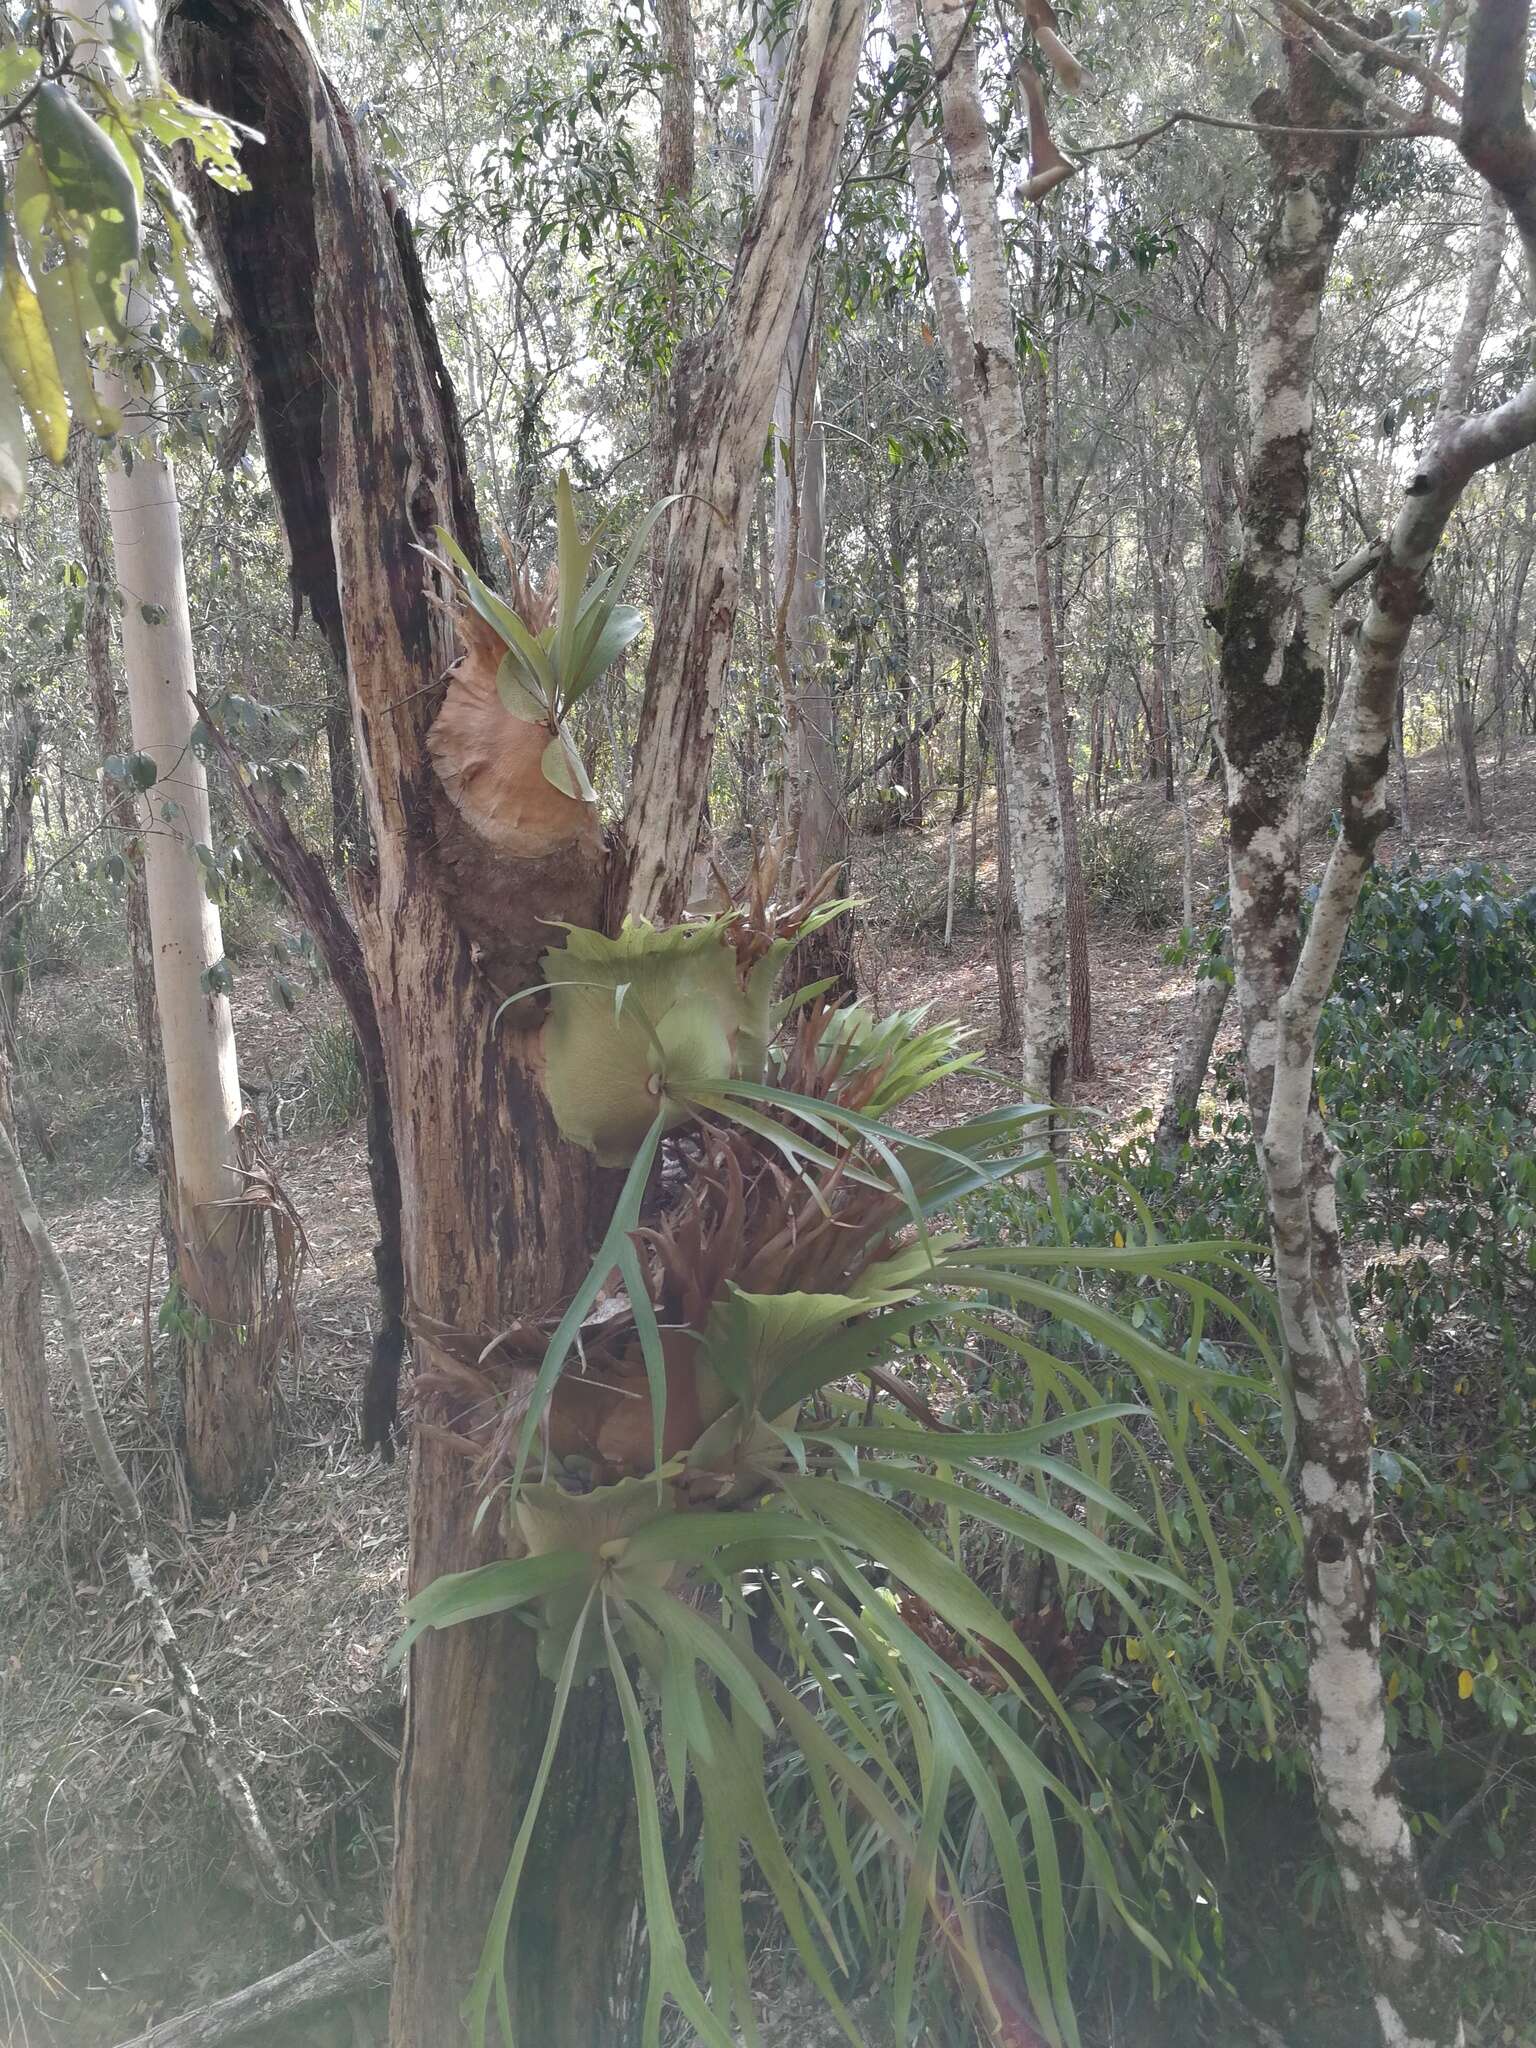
(229, 1423)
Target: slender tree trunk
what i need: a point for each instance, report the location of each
(34, 1471)
(674, 197)
(228, 1338)
(979, 353)
(1180, 1118)
(722, 383)
(1080, 988)
(106, 709)
(818, 819)
(1465, 727)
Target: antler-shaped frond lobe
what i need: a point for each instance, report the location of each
(1048, 168)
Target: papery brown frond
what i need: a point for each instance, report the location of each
(1041, 17)
(1047, 166)
(534, 602)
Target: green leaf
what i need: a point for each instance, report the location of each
(13, 450)
(18, 67)
(87, 171)
(669, 1973)
(563, 769)
(626, 1217)
(27, 353)
(703, 1642)
(515, 688)
(492, 1589)
(491, 1975)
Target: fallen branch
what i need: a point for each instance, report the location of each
(340, 1970)
(228, 1781)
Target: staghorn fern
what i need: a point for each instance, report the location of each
(694, 1428)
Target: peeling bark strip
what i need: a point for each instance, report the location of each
(983, 369)
(723, 390)
(1270, 709)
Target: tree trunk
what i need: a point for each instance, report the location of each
(725, 385)
(1466, 761)
(34, 1472)
(1080, 987)
(228, 1338)
(979, 353)
(106, 709)
(674, 198)
(1272, 684)
(301, 876)
(1180, 1118)
(499, 1217)
(818, 821)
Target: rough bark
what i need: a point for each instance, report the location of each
(818, 821)
(498, 1216)
(979, 352)
(342, 1969)
(33, 1468)
(1079, 982)
(724, 388)
(301, 876)
(674, 197)
(228, 1336)
(495, 1213)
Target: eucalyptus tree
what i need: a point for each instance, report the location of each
(496, 1212)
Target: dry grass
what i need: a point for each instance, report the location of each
(286, 1611)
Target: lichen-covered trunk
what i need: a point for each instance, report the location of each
(1274, 634)
(979, 352)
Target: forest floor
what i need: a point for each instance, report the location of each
(122, 1897)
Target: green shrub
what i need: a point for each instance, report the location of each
(337, 1094)
(1426, 1068)
(1127, 873)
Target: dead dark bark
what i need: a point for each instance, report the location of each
(496, 1215)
